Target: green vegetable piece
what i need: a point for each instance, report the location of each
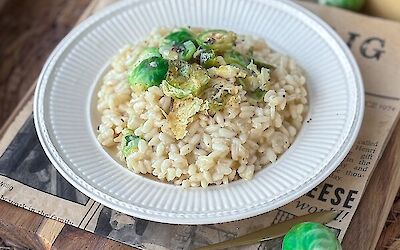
(129, 142)
(148, 53)
(256, 95)
(310, 236)
(215, 106)
(189, 49)
(185, 80)
(233, 57)
(198, 79)
(181, 42)
(261, 64)
(217, 40)
(179, 37)
(149, 72)
(208, 59)
(169, 52)
(173, 91)
(355, 5)
(182, 67)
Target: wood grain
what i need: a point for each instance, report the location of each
(19, 226)
(29, 31)
(369, 219)
(73, 238)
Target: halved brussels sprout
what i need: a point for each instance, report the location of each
(217, 40)
(180, 44)
(148, 53)
(180, 37)
(310, 236)
(149, 72)
(129, 142)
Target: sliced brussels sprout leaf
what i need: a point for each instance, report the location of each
(215, 106)
(185, 79)
(181, 114)
(173, 91)
(168, 51)
(177, 51)
(256, 95)
(208, 59)
(183, 68)
(226, 99)
(233, 57)
(198, 79)
(261, 64)
(241, 82)
(249, 83)
(129, 142)
(217, 40)
(149, 72)
(179, 37)
(148, 53)
(189, 49)
(180, 44)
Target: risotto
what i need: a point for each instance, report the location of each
(198, 107)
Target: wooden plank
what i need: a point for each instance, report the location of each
(48, 232)
(73, 238)
(18, 226)
(29, 32)
(370, 217)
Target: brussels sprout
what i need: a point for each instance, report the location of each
(217, 40)
(198, 79)
(233, 57)
(261, 64)
(180, 44)
(346, 4)
(179, 37)
(129, 142)
(208, 59)
(169, 52)
(189, 49)
(185, 80)
(149, 72)
(310, 236)
(148, 53)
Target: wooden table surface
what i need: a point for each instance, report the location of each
(29, 30)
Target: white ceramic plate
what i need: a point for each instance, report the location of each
(62, 108)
